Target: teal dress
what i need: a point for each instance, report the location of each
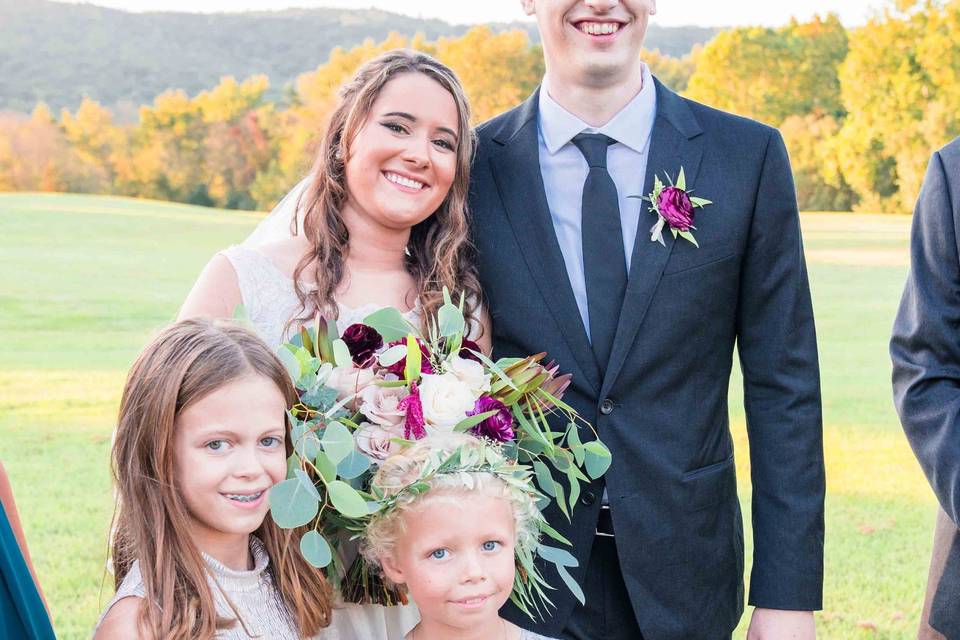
(22, 614)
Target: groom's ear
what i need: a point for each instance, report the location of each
(529, 6)
(391, 569)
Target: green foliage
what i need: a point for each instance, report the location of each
(771, 74)
(901, 87)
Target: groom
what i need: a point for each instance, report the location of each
(648, 328)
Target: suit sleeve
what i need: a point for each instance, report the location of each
(777, 343)
(925, 347)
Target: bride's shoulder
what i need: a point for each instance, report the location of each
(285, 254)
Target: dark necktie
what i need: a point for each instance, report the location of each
(604, 265)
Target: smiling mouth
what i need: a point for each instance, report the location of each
(243, 497)
(592, 28)
(403, 181)
(472, 602)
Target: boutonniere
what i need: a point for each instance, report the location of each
(674, 207)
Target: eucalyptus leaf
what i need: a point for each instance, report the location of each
(544, 479)
(353, 465)
(393, 355)
(290, 362)
(326, 468)
(557, 556)
(553, 533)
(575, 445)
(389, 323)
(561, 500)
(307, 444)
(291, 504)
(574, 488)
(450, 320)
(598, 458)
(347, 500)
(337, 442)
(315, 549)
(571, 584)
(341, 354)
(307, 484)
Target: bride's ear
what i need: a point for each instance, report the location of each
(391, 569)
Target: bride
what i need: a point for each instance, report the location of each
(381, 221)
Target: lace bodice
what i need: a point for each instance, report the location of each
(270, 300)
(252, 593)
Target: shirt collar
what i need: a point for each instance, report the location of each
(631, 126)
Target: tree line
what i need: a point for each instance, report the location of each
(861, 111)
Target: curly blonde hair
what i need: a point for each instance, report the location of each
(413, 466)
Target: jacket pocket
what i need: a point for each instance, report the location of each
(709, 485)
(694, 258)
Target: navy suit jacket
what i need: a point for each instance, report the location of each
(925, 349)
(661, 402)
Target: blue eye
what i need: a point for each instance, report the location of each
(270, 441)
(490, 545)
(439, 554)
(214, 445)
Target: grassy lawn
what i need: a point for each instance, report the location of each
(87, 279)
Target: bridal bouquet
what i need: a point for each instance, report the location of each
(367, 394)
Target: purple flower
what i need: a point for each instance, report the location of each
(363, 342)
(398, 368)
(472, 346)
(413, 422)
(499, 426)
(674, 205)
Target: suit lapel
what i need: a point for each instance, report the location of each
(516, 171)
(673, 144)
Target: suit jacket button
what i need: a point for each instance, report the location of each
(588, 498)
(606, 407)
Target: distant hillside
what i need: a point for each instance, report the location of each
(59, 53)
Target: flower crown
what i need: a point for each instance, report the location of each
(382, 386)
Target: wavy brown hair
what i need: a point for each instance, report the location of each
(439, 253)
(184, 363)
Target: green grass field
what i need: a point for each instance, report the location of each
(86, 280)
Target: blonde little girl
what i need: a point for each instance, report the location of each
(456, 513)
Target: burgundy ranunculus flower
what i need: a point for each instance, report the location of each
(413, 422)
(398, 368)
(466, 355)
(499, 426)
(363, 342)
(674, 205)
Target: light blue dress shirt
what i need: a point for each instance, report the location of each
(564, 171)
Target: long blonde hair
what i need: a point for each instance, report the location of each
(439, 253)
(185, 362)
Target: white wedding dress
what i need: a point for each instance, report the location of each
(270, 301)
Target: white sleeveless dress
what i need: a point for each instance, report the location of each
(270, 301)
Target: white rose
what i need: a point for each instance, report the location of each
(349, 381)
(376, 442)
(471, 373)
(380, 405)
(445, 400)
